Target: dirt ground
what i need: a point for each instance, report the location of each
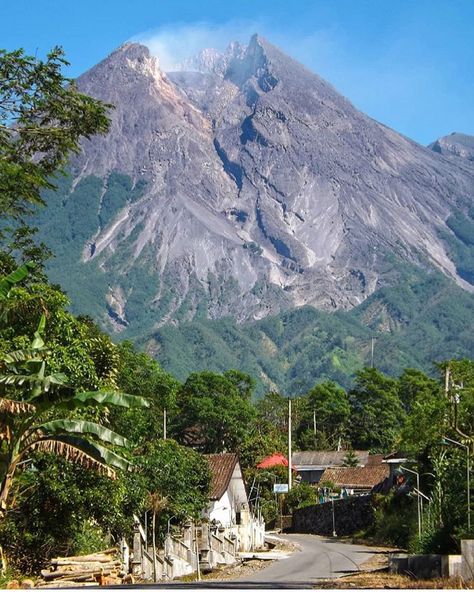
(378, 580)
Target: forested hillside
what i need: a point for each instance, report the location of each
(424, 319)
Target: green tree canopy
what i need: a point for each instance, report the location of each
(213, 413)
(377, 414)
(42, 119)
(328, 403)
(177, 473)
(414, 385)
(139, 374)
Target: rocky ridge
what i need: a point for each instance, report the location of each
(456, 144)
(264, 189)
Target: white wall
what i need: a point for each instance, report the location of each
(222, 510)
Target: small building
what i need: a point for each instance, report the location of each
(229, 509)
(311, 464)
(356, 480)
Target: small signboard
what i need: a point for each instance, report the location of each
(280, 488)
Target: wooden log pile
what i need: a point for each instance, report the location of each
(98, 569)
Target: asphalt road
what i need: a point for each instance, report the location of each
(318, 558)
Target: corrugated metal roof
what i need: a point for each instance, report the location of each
(325, 458)
(356, 477)
(222, 467)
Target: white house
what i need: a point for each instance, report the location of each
(228, 507)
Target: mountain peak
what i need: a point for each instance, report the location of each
(455, 144)
(261, 188)
(125, 63)
(133, 50)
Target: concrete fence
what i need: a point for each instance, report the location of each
(180, 555)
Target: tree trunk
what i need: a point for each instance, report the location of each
(5, 488)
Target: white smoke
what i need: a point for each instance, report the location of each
(385, 84)
(173, 44)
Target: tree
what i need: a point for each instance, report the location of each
(272, 412)
(156, 503)
(301, 495)
(377, 414)
(42, 119)
(414, 385)
(213, 414)
(351, 459)
(328, 403)
(60, 508)
(458, 377)
(140, 374)
(178, 474)
(32, 407)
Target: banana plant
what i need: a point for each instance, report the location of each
(31, 400)
(15, 277)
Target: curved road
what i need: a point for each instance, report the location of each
(318, 558)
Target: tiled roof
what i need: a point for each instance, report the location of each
(274, 460)
(375, 459)
(356, 477)
(325, 458)
(222, 466)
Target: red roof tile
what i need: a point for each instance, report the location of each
(222, 467)
(274, 460)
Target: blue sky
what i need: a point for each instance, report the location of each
(407, 63)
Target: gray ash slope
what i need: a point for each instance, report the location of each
(263, 189)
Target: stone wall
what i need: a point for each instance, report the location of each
(351, 515)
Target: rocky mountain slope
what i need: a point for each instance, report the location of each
(458, 145)
(242, 188)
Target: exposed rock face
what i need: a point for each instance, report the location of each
(459, 145)
(265, 188)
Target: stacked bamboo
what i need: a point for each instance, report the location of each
(98, 569)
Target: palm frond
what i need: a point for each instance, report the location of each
(21, 355)
(34, 379)
(15, 407)
(106, 398)
(73, 454)
(7, 283)
(156, 502)
(78, 426)
(92, 449)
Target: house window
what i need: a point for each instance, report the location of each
(237, 517)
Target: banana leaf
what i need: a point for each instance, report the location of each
(78, 426)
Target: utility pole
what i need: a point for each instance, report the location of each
(314, 421)
(164, 423)
(289, 444)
